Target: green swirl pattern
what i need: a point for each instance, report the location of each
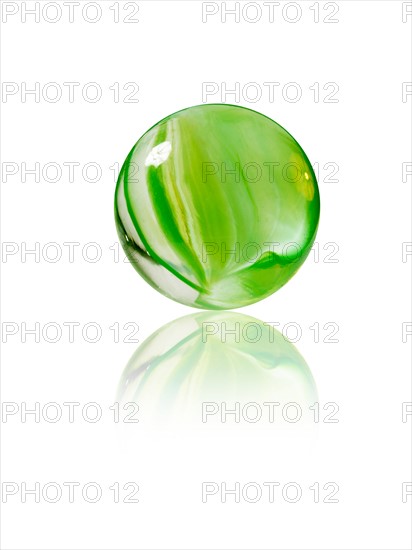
(217, 206)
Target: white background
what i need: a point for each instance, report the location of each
(169, 53)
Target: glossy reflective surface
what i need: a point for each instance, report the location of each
(214, 357)
(217, 206)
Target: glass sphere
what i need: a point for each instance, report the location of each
(217, 206)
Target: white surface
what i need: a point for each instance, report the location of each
(169, 53)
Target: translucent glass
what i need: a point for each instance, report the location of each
(217, 206)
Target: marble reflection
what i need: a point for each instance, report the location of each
(220, 357)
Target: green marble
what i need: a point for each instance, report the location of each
(217, 206)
